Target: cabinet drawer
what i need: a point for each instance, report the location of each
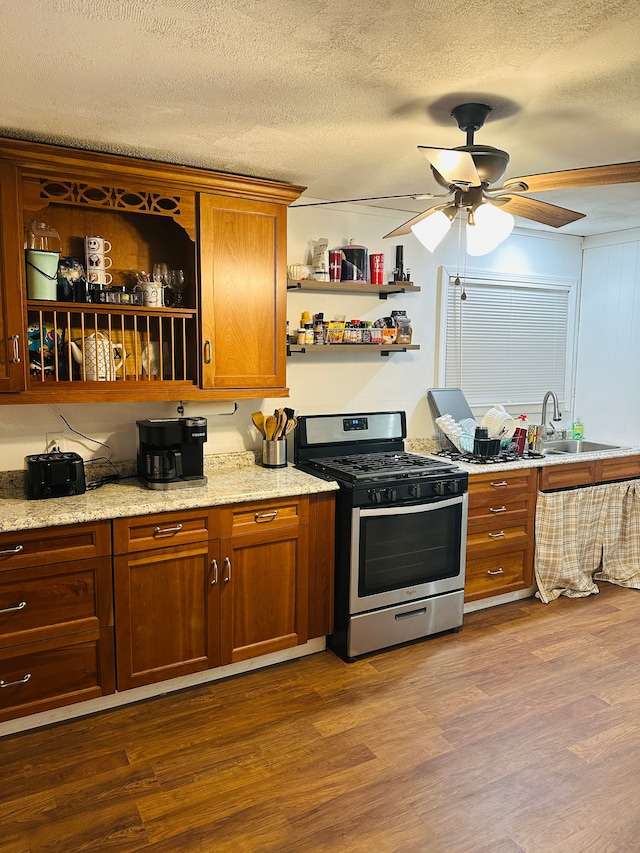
(37, 604)
(39, 676)
(488, 514)
(500, 535)
(620, 468)
(502, 483)
(569, 475)
(499, 572)
(254, 517)
(46, 546)
(167, 528)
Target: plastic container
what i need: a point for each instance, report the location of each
(577, 429)
(355, 262)
(42, 254)
(521, 434)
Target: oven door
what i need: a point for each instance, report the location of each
(402, 553)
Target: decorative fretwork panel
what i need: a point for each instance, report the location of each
(40, 192)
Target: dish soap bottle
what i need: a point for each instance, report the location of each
(577, 429)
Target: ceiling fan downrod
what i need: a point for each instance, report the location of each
(470, 117)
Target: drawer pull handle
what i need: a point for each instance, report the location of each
(499, 571)
(15, 550)
(167, 531)
(16, 349)
(227, 570)
(15, 683)
(265, 516)
(214, 566)
(499, 535)
(499, 484)
(497, 509)
(20, 606)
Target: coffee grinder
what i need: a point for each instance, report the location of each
(170, 452)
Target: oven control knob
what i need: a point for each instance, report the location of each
(415, 490)
(440, 488)
(391, 495)
(376, 496)
(453, 487)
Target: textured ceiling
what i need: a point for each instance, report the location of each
(334, 95)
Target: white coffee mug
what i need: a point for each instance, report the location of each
(97, 261)
(97, 245)
(99, 277)
(151, 293)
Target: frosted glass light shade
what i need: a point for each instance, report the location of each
(431, 231)
(491, 226)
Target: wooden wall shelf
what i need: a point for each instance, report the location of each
(379, 290)
(323, 349)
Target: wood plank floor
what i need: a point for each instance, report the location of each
(520, 733)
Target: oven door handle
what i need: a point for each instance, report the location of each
(413, 509)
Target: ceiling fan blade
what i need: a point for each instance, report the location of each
(414, 196)
(406, 228)
(591, 176)
(538, 211)
(456, 167)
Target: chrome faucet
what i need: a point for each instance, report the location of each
(557, 414)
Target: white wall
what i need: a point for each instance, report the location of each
(608, 374)
(340, 381)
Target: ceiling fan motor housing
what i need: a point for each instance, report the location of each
(491, 163)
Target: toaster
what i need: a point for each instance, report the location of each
(54, 475)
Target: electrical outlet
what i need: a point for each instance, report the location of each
(55, 441)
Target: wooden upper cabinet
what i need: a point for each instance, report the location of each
(243, 293)
(13, 346)
(226, 232)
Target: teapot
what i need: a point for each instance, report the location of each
(100, 357)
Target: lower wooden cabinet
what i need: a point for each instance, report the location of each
(56, 618)
(167, 612)
(500, 533)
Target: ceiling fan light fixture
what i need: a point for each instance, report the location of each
(487, 227)
(432, 230)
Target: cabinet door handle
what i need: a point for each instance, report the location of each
(499, 535)
(24, 680)
(207, 352)
(15, 550)
(265, 516)
(16, 349)
(497, 509)
(17, 607)
(227, 570)
(499, 571)
(499, 484)
(214, 566)
(167, 531)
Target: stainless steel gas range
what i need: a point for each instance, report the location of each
(401, 523)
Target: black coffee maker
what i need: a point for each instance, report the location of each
(170, 452)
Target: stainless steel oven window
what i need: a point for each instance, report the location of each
(400, 553)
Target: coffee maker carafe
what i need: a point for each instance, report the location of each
(170, 452)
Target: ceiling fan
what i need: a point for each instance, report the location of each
(469, 173)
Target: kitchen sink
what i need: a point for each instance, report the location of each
(577, 446)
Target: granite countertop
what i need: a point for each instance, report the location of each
(428, 447)
(232, 478)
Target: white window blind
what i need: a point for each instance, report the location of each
(506, 342)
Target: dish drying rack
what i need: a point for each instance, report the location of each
(462, 435)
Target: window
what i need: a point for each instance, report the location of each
(510, 341)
